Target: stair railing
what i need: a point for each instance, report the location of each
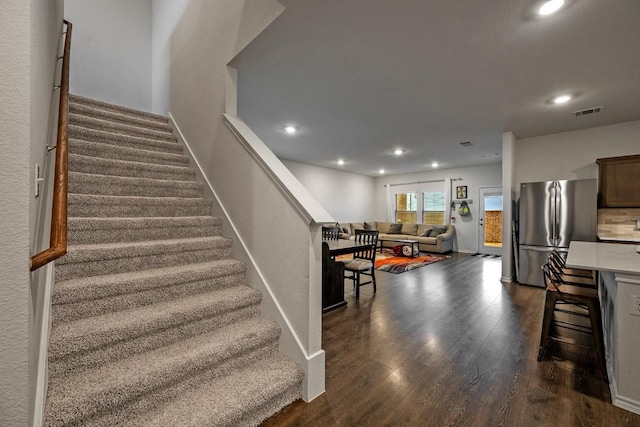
(58, 239)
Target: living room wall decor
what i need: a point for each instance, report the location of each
(461, 192)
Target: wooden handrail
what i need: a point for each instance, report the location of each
(58, 240)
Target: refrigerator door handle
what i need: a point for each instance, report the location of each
(552, 212)
(536, 248)
(558, 215)
(556, 224)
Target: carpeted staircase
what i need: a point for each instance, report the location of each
(153, 321)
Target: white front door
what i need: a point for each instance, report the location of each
(490, 221)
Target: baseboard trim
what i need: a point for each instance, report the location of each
(40, 394)
(625, 403)
(313, 364)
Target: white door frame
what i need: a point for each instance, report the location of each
(482, 249)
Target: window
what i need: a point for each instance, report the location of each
(406, 207)
(433, 207)
(419, 202)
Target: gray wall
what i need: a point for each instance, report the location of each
(348, 197)
(28, 51)
(111, 58)
(572, 155)
(166, 15)
(14, 211)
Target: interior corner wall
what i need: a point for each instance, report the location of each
(572, 155)
(15, 48)
(165, 16)
(111, 54)
(348, 197)
(473, 177)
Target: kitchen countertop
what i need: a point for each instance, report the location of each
(614, 257)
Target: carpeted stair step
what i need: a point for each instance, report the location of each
(139, 169)
(245, 398)
(121, 128)
(93, 296)
(117, 117)
(79, 398)
(75, 363)
(94, 103)
(82, 231)
(152, 321)
(84, 183)
(93, 341)
(100, 150)
(113, 258)
(87, 134)
(85, 205)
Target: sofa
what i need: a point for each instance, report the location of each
(439, 239)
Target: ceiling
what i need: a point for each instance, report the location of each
(359, 78)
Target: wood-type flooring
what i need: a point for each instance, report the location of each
(449, 344)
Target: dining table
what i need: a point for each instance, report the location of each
(333, 271)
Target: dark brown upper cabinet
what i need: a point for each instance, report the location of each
(619, 183)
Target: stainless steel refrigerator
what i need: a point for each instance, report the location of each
(552, 214)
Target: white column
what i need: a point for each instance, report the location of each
(508, 199)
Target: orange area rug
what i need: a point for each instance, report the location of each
(387, 261)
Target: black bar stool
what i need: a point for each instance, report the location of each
(559, 294)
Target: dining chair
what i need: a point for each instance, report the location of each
(363, 262)
(585, 303)
(330, 233)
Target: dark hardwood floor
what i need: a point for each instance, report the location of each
(449, 344)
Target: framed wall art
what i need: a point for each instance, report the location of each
(461, 192)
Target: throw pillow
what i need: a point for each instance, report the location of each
(356, 226)
(395, 228)
(426, 232)
(410, 229)
(368, 226)
(438, 230)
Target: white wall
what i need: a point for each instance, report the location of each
(348, 197)
(165, 16)
(572, 155)
(473, 177)
(111, 57)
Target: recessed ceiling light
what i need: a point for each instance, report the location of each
(381, 171)
(550, 7)
(340, 162)
(290, 129)
(434, 164)
(562, 99)
(398, 151)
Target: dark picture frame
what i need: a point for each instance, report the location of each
(461, 192)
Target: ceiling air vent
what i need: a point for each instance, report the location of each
(587, 111)
(466, 144)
